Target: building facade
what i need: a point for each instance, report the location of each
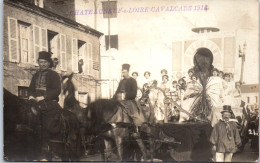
(30, 28)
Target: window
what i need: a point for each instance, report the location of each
(53, 46)
(24, 42)
(52, 43)
(81, 57)
(109, 9)
(113, 42)
(19, 36)
(23, 92)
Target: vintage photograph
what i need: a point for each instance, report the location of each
(131, 80)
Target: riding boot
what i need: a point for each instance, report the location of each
(142, 148)
(140, 144)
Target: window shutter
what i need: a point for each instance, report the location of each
(63, 56)
(24, 36)
(36, 41)
(13, 40)
(86, 55)
(90, 59)
(44, 40)
(75, 55)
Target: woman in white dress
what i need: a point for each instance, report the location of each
(237, 95)
(165, 85)
(146, 79)
(216, 91)
(228, 90)
(139, 87)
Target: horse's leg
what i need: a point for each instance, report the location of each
(151, 144)
(119, 145)
(108, 150)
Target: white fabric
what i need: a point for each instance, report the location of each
(157, 100)
(215, 90)
(223, 157)
(228, 97)
(187, 103)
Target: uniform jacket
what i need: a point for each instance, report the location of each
(129, 87)
(53, 85)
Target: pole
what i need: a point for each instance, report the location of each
(108, 20)
(242, 55)
(242, 70)
(95, 15)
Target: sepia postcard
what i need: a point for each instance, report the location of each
(131, 80)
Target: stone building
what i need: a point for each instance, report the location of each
(29, 27)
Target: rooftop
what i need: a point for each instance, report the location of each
(53, 16)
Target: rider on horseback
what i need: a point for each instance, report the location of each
(45, 88)
(126, 94)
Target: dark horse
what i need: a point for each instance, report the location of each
(109, 121)
(22, 138)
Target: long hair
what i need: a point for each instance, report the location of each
(203, 60)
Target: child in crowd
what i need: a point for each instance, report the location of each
(221, 74)
(225, 137)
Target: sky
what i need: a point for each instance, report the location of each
(146, 37)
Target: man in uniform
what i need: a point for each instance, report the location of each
(45, 88)
(126, 94)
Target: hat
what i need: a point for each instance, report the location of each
(46, 56)
(163, 70)
(125, 67)
(227, 108)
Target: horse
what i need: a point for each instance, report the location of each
(109, 121)
(22, 135)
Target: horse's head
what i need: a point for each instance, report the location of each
(67, 85)
(69, 92)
